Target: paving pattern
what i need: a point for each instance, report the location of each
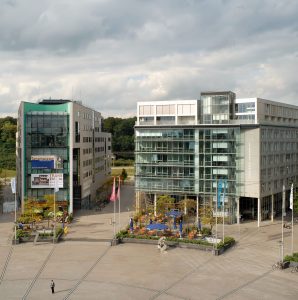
(85, 266)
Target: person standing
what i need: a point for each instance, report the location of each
(131, 225)
(53, 286)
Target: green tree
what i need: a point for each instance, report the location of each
(164, 203)
(123, 175)
(8, 130)
(122, 131)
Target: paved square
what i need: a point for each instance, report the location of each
(85, 266)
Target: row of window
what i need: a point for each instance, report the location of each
(99, 149)
(87, 162)
(87, 139)
(87, 150)
(278, 146)
(281, 111)
(278, 159)
(87, 174)
(269, 133)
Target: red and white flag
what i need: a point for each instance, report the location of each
(113, 195)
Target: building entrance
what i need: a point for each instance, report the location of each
(248, 208)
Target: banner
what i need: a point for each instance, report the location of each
(219, 191)
(46, 162)
(43, 181)
(13, 185)
(291, 197)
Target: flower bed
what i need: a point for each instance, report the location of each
(24, 236)
(125, 237)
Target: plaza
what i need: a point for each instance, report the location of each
(85, 266)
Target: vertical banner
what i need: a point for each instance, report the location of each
(13, 185)
(219, 191)
(291, 197)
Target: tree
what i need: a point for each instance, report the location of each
(206, 216)
(164, 203)
(122, 131)
(187, 205)
(123, 175)
(8, 130)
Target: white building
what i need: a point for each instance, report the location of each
(184, 147)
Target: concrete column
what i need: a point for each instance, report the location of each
(238, 210)
(155, 200)
(185, 208)
(259, 212)
(197, 209)
(272, 208)
(137, 202)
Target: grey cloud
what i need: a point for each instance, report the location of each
(113, 53)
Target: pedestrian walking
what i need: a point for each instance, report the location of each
(53, 286)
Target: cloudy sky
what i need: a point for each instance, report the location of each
(112, 53)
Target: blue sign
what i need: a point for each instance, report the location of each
(42, 164)
(219, 190)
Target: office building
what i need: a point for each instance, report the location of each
(60, 144)
(183, 148)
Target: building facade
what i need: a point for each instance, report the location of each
(60, 144)
(184, 148)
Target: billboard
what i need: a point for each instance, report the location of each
(43, 181)
(46, 162)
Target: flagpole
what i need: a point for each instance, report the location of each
(223, 212)
(292, 207)
(118, 194)
(114, 222)
(54, 234)
(15, 217)
(282, 222)
(13, 188)
(293, 231)
(216, 212)
(113, 198)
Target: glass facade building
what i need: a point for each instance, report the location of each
(60, 143)
(184, 147)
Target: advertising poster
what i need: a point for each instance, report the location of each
(43, 181)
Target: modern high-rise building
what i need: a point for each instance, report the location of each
(60, 145)
(183, 148)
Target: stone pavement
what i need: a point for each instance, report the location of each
(85, 266)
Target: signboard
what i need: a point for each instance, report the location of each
(220, 214)
(46, 162)
(43, 181)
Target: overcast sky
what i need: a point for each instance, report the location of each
(112, 53)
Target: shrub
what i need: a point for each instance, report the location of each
(21, 233)
(206, 231)
(228, 241)
(293, 257)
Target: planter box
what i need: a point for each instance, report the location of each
(177, 244)
(139, 241)
(293, 264)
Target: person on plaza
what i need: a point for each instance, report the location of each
(131, 225)
(180, 227)
(150, 221)
(53, 286)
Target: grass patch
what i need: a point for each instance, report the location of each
(4, 173)
(116, 171)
